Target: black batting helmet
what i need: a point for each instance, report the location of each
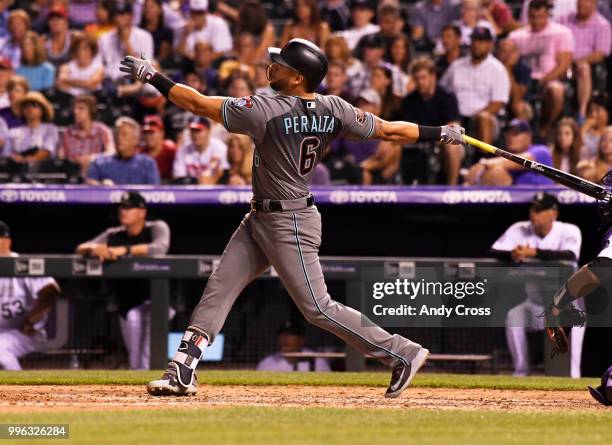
(304, 57)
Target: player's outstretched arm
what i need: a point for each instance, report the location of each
(182, 95)
(408, 133)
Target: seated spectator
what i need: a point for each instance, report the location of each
(429, 17)
(558, 10)
(547, 48)
(373, 53)
(381, 81)
(153, 22)
(595, 124)
(306, 24)
(260, 81)
(125, 39)
(239, 85)
(500, 171)
(596, 168)
(567, 145)
(338, 51)
(26, 302)
(4, 16)
(127, 166)
(400, 56)
(205, 27)
(498, 14)
(545, 239)
(6, 71)
(19, 24)
(391, 23)
(469, 19)
(592, 36)
(105, 21)
(345, 155)
(336, 82)
(202, 65)
(17, 88)
(205, 158)
(59, 40)
(431, 105)
(291, 338)
(520, 79)
(481, 85)
(242, 58)
(4, 131)
(157, 146)
(86, 138)
(240, 150)
(253, 19)
(362, 14)
(337, 13)
(135, 237)
(37, 139)
(451, 42)
(39, 73)
(82, 12)
(84, 73)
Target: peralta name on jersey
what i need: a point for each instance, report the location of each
(306, 124)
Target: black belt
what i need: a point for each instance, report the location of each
(277, 206)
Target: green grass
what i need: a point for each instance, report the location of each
(378, 379)
(268, 425)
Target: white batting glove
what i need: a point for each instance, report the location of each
(452, 134)
(140, 69)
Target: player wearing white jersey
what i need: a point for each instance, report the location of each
(24, 305)
(543, 238)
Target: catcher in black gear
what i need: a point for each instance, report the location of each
(560, 315)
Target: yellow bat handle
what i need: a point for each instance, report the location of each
(482, 145)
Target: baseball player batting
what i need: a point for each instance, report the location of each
(291, 131)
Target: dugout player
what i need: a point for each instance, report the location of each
(283, 229)
(134, 237)
(544, 238)
(24, 305)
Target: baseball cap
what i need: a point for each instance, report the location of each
(366, 4)
(544, 201)
(131, 200)
(123, 7)
(151, 123)
(199, 122)
(5, 63)
(372, 41)
(370, 96)
(5, 231)
(291, 327)
(481, 33)
(57, 11)
(198, 5)
(519, 126)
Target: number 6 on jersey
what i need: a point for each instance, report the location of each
(308, 154)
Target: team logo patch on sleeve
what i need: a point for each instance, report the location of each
(360, 116)
(246, 102)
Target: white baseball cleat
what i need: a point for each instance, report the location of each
(169, 384)
(402, 375)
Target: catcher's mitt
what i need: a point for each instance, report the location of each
(558, 328)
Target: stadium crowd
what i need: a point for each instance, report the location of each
(532, 77)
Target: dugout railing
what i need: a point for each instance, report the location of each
(160, 270)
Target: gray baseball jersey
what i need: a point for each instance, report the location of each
(290, 135)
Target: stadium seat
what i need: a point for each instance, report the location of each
(10, 171)
(54, 171)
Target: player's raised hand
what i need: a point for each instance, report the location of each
(138, 68)
(452, 134)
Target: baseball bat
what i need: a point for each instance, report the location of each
(574, 182)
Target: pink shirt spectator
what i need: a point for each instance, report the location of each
(590, 36)
(539, 49)
(76, 143)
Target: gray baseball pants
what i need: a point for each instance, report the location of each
(289, 241)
